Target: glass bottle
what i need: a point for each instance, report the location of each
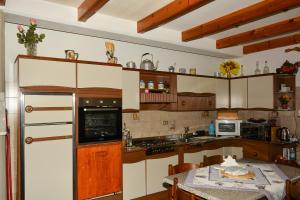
(257, 70)
(266, 68)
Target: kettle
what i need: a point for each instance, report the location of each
(283, 134)
(148, 64)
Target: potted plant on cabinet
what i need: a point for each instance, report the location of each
(284, 100)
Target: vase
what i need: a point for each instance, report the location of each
(31, 49)
(284, 106)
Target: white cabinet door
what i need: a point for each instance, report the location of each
(222, 93)
(157, 170)
(33, 72)
(134, 180)
(41, 105)
(196, 84)
(214, 152)
(196, 157)
(48, 164)
(260, 92)
(131, 90)
(99, 76)
(239, 93)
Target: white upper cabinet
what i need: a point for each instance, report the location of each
(196, 84)
(131, 90)
(99, 76)
(222, 93)
(239, 93)
(260, 92)
(34, 72)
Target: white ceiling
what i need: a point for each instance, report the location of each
(137, 9)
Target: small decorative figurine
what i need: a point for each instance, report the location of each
(110, 50)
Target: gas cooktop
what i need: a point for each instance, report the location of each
(156, 146)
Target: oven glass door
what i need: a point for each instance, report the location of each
(99, 124)
(227, 127)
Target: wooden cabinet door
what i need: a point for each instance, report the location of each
(33, 72)
(99, 170)
(134, 180)
(222, 93)
(260, 92)
(99, 76)
(156, 171)
(131, 90)
(190, 103)
(256, 150)
(239, 93)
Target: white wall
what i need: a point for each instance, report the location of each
(275, 57)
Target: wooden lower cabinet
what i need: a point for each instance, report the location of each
(99, 170)
(257, 150)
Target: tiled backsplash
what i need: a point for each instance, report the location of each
(159, 123)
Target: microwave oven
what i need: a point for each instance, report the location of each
(256, 131)
(230, 127)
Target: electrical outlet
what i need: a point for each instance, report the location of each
(165, 123)
(135, 116)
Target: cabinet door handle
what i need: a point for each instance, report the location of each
(183, 103)
(30, 108)
(30, 140)
(255, 154)
(101, 153)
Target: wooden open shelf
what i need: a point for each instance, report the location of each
(290, 81)
(158, 98)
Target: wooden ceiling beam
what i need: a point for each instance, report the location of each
(279, 28)
(245, 15)
(272, 44)
(88, 8)
(173, 10)
(2, 2)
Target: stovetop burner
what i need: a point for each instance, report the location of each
(156, 146)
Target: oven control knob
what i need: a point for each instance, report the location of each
(101, 101)
(114, 101)
(87, 101)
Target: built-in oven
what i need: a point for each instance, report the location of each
(99, 119)
(228, 127)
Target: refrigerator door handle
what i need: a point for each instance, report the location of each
(30, 140)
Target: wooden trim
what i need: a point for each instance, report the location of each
(243, 16)
(162, 155)
(272, 44)
(65, 60)
(134, 156)
(88, 8)
(192, 94)
(155, 196)
(279, 28)
(30, 109)
(87, 145)
(256, 75)
(100, 92)
(173, 10)
(30, 140)
(46, 89)
(170, 73)
(2, 2)
(129, 110)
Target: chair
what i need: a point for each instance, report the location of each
(212, 160)
(292, 190)
(174, 192)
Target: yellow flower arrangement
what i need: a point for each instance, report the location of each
(229, 68)
(284, 99)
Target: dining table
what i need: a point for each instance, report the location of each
(268, 181)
